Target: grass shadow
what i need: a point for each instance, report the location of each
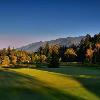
(16, 86)
(89, 78)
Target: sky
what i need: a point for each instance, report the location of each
(27, 21)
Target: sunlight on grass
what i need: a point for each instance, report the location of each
(67, 84)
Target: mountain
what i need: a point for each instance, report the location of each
(61, 41)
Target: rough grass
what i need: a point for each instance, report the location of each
(70, 83)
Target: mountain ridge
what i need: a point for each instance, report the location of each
(68, 41)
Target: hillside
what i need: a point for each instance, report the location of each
(61, 41)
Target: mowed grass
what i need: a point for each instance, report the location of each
(70, 83)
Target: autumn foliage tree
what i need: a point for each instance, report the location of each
(13, 59)
(70, 53)
(42, 58)
(97, 53)
(5, 61)
(53, 58)
(89, 54)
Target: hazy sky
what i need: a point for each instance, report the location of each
(26, 21)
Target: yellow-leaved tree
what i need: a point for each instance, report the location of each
(70, 52)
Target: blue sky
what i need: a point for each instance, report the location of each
(26, 21)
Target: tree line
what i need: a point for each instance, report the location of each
(88, 51)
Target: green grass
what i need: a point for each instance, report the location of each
(70, 83)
